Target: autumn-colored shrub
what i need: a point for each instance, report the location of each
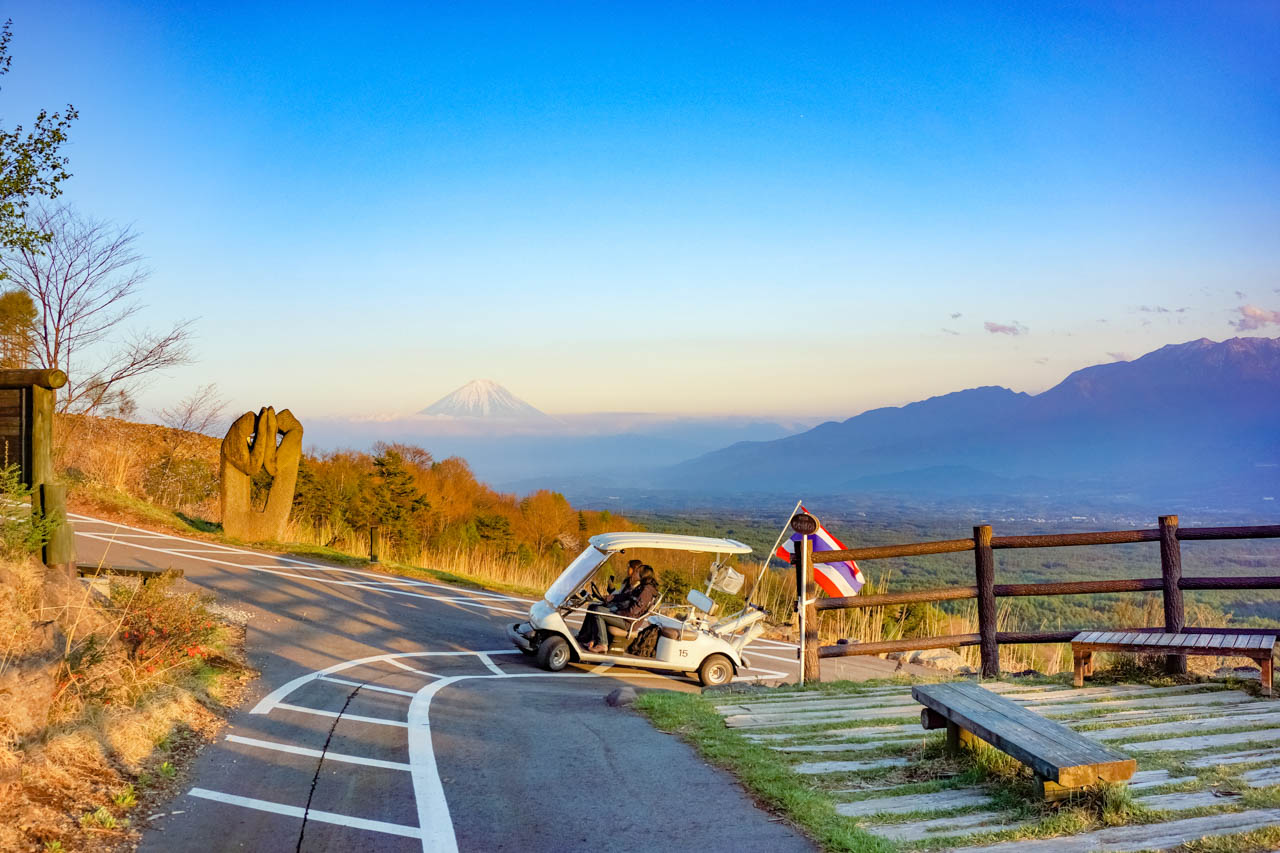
(160, 628)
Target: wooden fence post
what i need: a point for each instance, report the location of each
(985, 569)
(375, 543)
(805, 594)
(1171, 572)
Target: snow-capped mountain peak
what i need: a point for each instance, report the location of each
(483, 398)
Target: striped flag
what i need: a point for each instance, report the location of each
(836, 579)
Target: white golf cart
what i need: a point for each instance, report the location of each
(693, 642)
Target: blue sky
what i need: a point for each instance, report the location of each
(672, 208)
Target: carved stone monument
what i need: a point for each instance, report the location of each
(249, 449)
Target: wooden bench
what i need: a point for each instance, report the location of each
(92, 570)
(1256, 646)
(1064, 761)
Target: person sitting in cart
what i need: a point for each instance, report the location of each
(593, 637)
(634, 599)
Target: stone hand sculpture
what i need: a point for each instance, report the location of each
(250, 447)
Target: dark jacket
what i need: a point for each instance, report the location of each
(640, 600)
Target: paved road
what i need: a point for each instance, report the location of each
(392, 715)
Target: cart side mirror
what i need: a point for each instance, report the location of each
(700, 601)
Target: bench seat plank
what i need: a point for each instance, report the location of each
(1054, 751)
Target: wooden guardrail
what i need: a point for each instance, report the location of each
(1171, 584)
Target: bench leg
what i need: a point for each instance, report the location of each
(1083, 667)
(1266, 666)
(1052, 791)
(958, 738)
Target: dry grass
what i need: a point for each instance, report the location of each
(86, 715)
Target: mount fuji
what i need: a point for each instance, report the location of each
(484, 399)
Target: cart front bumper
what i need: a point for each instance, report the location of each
(521, 635)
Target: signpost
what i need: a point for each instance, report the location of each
(26, 440)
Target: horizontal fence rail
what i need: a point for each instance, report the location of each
(986, 591)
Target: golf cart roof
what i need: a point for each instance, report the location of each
(613, 542)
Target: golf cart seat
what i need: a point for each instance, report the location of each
(633, 622)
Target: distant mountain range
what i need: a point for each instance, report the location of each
(1196, 422)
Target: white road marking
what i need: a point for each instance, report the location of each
(493, 667)
(428, 791)
(364, 685)
(604, 667)
(759, 654)
(309, 814)
(356, 717)
(115, 527)
(378, 587)
(275, 696)
(408, 668)
(762, 673)
(316, 753)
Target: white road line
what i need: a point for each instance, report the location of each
(763, 673)
(428, 791)
(282, 706)
(604, 667)
(791, 647)
(357, 584)
(309, 814)
(758, 654)
(364, 685)
(271, 699)
(493, 667)
(316, 753)
(281, 559)
(408, 668)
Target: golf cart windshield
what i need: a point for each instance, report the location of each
(575, 574)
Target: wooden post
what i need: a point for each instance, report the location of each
(805, 594)
(985, 569)
(60, 550)
(1171, 571)
(375, 543)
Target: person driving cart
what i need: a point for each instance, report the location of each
(634, 599)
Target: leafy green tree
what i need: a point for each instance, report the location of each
(30, 164)
(398, 502)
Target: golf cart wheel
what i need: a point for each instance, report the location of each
(715, 670)
(553, 653)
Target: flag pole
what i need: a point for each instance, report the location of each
(773, 550)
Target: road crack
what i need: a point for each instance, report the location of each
(315, 780)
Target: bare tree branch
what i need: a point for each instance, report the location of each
(84, 283)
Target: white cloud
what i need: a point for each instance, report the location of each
(1002, 329)
(1253, 317)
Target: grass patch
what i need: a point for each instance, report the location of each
(760, 770)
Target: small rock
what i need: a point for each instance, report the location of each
(1026, 673)
(621, 696)
(944, 659)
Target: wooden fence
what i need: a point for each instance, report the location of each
(986, 590)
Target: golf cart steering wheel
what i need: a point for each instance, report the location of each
(595, 591)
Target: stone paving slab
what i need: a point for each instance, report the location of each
(852, 747)
(1248, 756)
(1186, 727)
(947, 827)
(957, 798)
(1184, 800)
(1129, 839)
(1188, 744)
(814, 768)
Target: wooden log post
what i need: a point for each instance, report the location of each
(60, 549)
(985, 569)
(375, 543)
(1171, 572)
(806, 592)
